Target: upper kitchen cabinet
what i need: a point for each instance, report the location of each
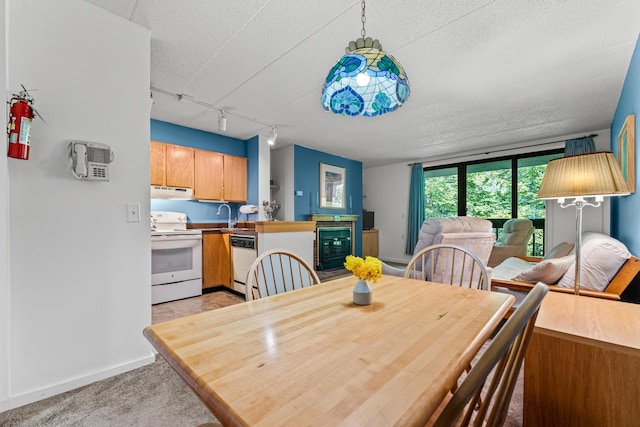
(208, 175)
(158, 163)
(220, 177)
(171, 165)
(211, 175)
(235, 178)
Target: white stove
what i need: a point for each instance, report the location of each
(176, 258)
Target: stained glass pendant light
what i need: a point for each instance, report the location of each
(366, 81)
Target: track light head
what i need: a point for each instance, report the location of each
(222, 121)
(273, 136)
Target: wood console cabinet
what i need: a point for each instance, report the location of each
(582, 367)
(370, 243)
(216, 260)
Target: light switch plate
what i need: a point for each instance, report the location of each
(298, 192)
(133, 213)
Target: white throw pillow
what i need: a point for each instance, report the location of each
(602, 257)
(548, 271)
(560, 250)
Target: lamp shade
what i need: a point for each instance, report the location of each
(584, 175)
(366, 81)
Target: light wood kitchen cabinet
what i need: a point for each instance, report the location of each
(216, 260)
(158, 163)
(211, 175)
(171, 165)
(208, 175)
(179, 166)
(370, 243)
(235, 178)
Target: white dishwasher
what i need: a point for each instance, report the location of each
(244, 253)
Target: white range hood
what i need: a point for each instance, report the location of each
(173, 193)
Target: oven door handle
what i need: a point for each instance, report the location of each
(177, 242)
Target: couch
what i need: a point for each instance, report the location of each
(607, 269)
(474, 234)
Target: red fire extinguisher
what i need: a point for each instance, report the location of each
(21, 115)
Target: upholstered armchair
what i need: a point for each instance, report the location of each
(474, 234)
(513, 240)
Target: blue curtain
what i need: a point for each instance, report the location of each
(415, 217)
(579, 146)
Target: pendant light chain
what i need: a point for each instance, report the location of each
(364, 19)
(365, 81)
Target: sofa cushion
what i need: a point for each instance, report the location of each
(560, 250)
(602, 257)
(548, 271)
(510, 267)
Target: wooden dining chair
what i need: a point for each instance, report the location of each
(278, 271)
(472, 403)
(449, 264)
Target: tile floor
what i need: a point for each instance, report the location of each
(188, 306)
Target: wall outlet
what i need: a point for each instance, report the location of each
(133, 213)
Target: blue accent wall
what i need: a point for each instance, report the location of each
(204, 212)
(624, 210)
(188, 137)
(306, 178)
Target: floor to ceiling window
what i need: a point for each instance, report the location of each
(496, 189)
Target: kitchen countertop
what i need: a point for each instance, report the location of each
(221, 228)
(251, 228)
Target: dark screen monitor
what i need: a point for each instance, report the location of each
(367, 220)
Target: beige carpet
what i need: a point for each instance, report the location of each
(153, 395)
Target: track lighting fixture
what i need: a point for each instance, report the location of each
(272, 138)
(222, 116)
(222, 121)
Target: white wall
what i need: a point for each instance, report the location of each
(79, 280)
(4, 237)
(282, 161)
(264, 173)
(386, 192)
(560, 225)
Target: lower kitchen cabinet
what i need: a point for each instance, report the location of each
(216, 260)
(370, 243)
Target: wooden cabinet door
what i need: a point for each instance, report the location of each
(370, 243)
(216, 260)
(179, 166)
(235, 178)
(208, 170)
(158, 162)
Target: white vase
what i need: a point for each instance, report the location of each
(362, 293)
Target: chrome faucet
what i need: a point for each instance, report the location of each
(228, 211)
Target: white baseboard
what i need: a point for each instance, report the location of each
(33, 396)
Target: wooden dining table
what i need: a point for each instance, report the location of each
(312, 357)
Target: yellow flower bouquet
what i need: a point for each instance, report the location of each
(368, 269)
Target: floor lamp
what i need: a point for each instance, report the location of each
(579, 177)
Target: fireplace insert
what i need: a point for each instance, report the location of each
(334, 244)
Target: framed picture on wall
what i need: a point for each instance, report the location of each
(627, 152)
(333, 186)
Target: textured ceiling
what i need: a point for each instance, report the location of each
(484, 74)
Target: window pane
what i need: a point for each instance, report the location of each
(441, 193)
(530, 173)
(489, 190)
